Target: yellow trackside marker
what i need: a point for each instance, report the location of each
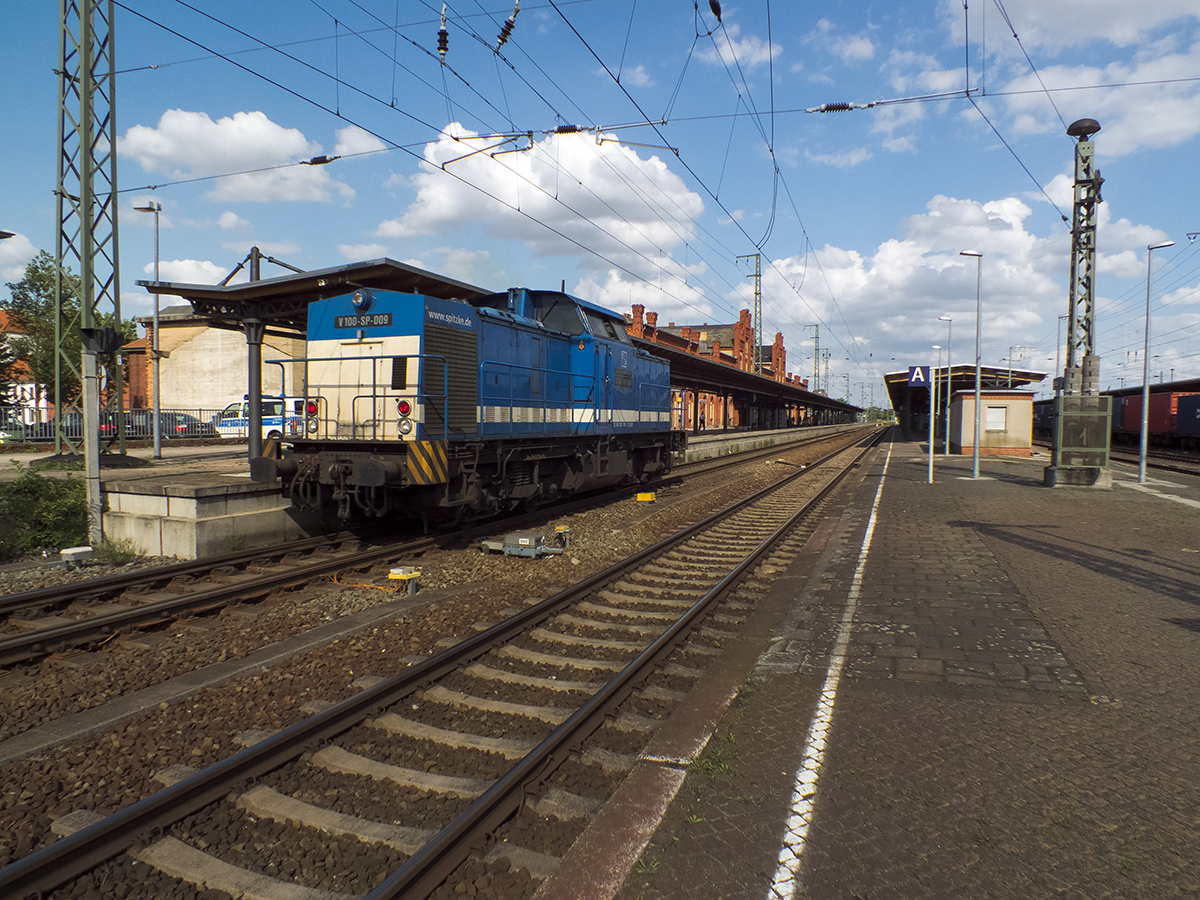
(647, 497)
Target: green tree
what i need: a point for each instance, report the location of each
(33, 305)
(8, 359)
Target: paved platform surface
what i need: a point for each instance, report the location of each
(1017, 713)
(186, 463)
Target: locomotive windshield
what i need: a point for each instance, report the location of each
(558, 313)
(604, 327)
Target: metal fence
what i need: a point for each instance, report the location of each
(177, 423)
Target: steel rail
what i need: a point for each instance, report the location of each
(424, 871)
(71, 856)
(111, 584)
(59, 637)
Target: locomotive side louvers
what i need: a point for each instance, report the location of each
(461, 354)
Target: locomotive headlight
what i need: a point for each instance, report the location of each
(312, 426)
(361, 299)
(405, 426)
(403, 407)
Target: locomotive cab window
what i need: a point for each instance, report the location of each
(603, 327)
(558, 313)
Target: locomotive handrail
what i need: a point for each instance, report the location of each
(379, 392)
(509, 399)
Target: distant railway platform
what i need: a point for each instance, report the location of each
(981, 689)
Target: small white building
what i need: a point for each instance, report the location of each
(1006, 420)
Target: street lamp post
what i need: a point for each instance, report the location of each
(1146, 361)
(949, 381)
(933, 406)
(978, 292)
(153, 206)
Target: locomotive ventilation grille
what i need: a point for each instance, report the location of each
(462, 358)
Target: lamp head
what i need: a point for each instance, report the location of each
(1161, 246)
(152, 206)
(1083, 128)
(969, 253)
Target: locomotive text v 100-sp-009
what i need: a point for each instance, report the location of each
(452, 410)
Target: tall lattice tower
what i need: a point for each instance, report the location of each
(87, 216)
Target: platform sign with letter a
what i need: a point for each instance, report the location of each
(918, 376)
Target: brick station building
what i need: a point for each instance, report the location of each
(731, 345)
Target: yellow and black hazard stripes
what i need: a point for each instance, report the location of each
(427, 462)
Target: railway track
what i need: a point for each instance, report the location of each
(119, 603)
(100, 608)
(1161, 460)
(553, 703)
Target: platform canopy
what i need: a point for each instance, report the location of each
(281, 304)
(695, 373)
(962, 378)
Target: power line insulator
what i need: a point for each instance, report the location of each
(507, 30)
(443, 35)
(567, 129)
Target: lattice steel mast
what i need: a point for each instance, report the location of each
(1082, 415)
(757, 276)
(87, 216)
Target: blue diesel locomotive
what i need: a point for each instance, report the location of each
(451, 410)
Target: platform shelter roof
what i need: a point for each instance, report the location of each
(962, 378)
(281, 304)
(695, 373)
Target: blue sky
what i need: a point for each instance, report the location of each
(695, 150)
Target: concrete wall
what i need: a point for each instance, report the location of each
(1015, 438)
(709, 446)
(190, 522)
(208, 366)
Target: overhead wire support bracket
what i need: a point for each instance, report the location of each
(604, 140)
(481, 150)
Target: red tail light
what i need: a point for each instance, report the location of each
(404, 407)
(310, 407)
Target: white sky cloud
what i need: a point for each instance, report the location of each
(281, 249)
(841, 160)
(1135, 118)
(730, 48)
(636, 76)
(1066, 24)
(15, 254)
(191, 271)
(602, 197)
(190, 144)
(353, 140)
(853, 48)
(231, 221)
(359, 252)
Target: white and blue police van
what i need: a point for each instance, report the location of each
(282, 417)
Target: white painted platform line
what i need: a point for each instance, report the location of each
(804, 791)
(1150, 491)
